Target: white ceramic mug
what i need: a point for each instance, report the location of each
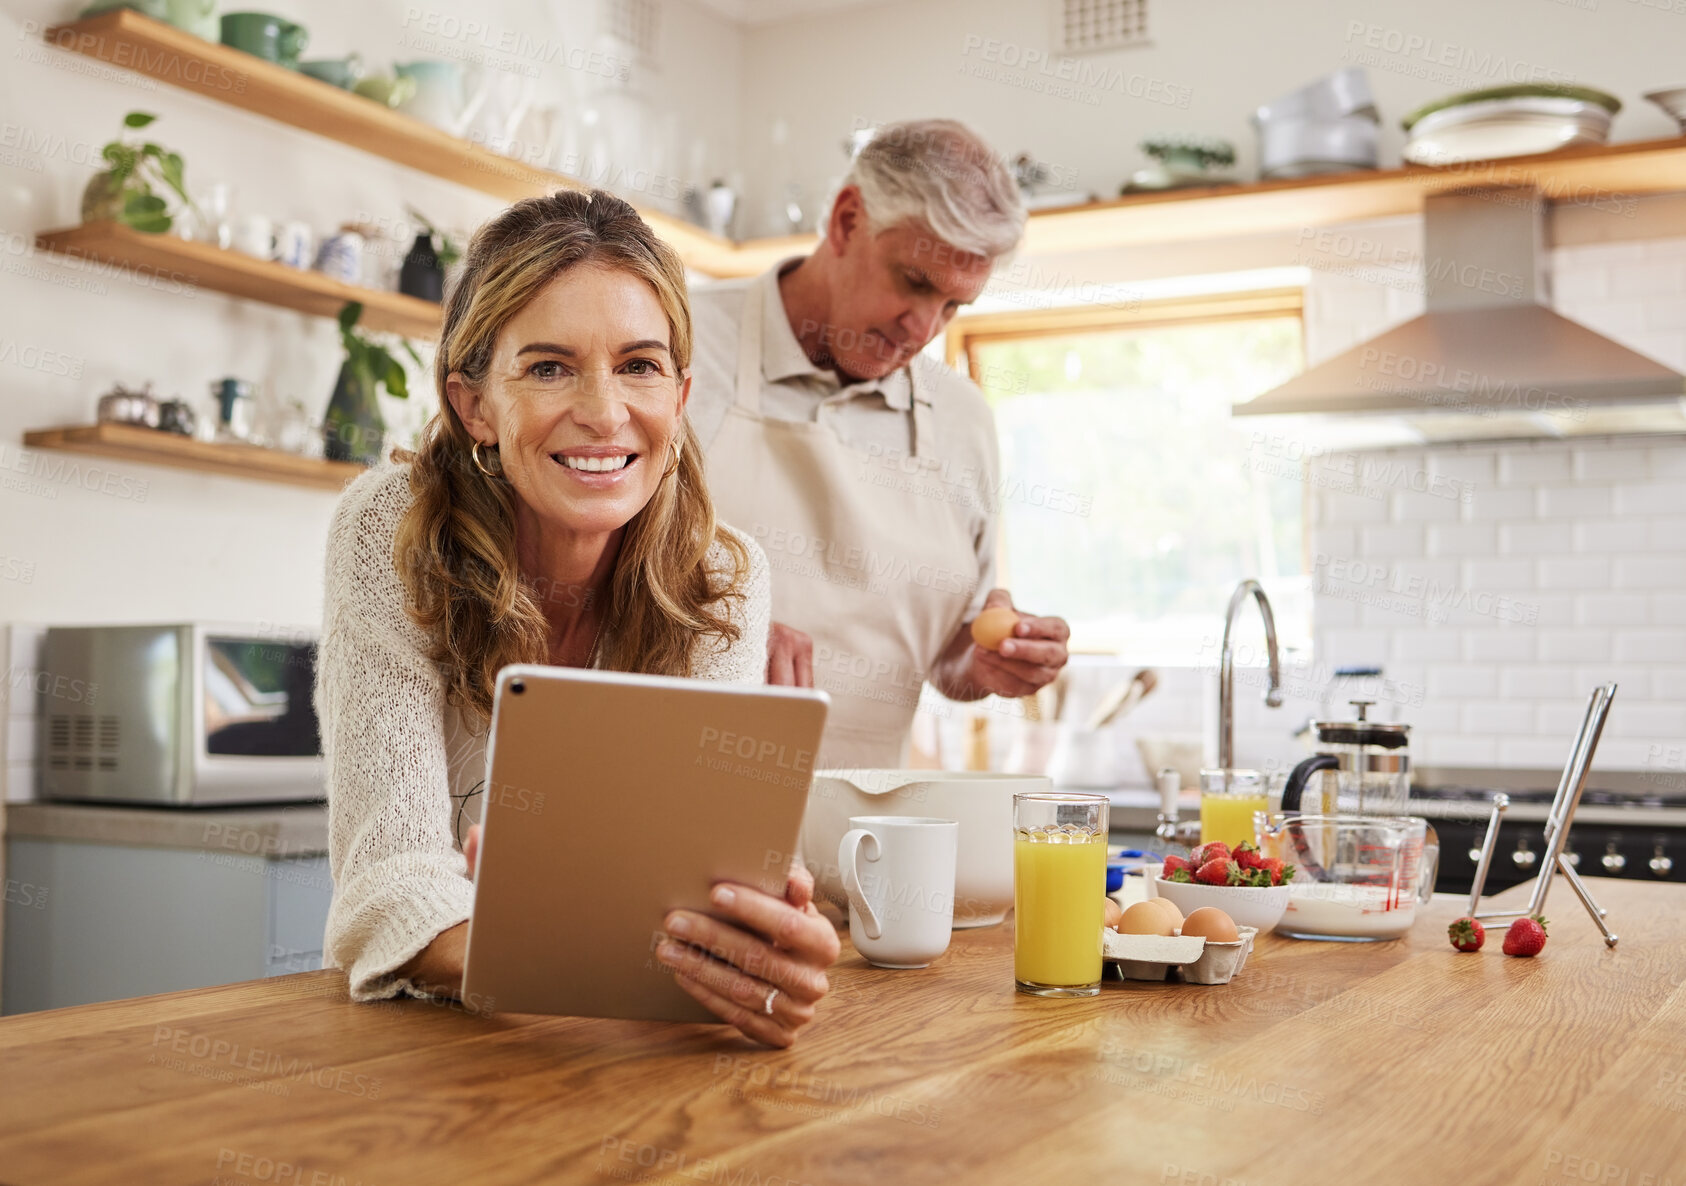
(293, 244)
(255, 235)
(898, 872)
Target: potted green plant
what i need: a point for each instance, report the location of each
(125, 192)
(353, 429)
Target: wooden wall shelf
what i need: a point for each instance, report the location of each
(125, 38)
(172, 261)
(1603, 174)
(129, 442)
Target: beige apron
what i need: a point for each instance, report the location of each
(871, 555)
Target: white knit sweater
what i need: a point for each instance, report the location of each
(396, 753)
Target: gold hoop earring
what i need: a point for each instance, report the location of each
(678, 446)
(474, 453)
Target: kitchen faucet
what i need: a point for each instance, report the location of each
(1226, 669)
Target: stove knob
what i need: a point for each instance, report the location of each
(1475, 856)
(1660, 864)
(1524, 856)
(1574, 859)
(1612, 860)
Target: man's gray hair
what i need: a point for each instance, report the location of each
(940, 174)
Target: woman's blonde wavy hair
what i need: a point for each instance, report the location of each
(455, 548)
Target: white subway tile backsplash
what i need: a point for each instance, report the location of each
(1335, 541)
(1604, 536)
(1508, 645)
(1647, 720)
(1548, 609)
(1463, 539)
(1667, 461)
(1655, 498)
(1501, 575)
(1573, 572)
(1650, 572)
(1668, 609)
(1502, 504)
(1559, 718)
(1434, 645)
(1634, 679)
(1561, 502)
(1412, 507)
(1535, 752)
(1668, 532)
(1650, 646)
(1612, 609)
(1469, 681)
(1390, 542)
(1530, 466)
(1477, 467)
(1444, 750)
(1668, 683)
(1340, 506)
(1650, 279)
(1535, 539)
(1592, 464)
(1570, 646)
(1536, 682)
(1498, 717)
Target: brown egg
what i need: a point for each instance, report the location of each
(1144, 918)
(1211, 924)
(1114, 912)
(1170, 909)
(993, 627)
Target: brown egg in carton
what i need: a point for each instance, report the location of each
(1199, 960)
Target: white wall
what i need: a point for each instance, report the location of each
(1210, 64)
(82, 539)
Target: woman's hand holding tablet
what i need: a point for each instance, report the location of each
(763, 975)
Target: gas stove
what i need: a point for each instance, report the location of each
(1629, 824)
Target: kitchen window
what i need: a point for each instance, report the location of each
(1131, 500)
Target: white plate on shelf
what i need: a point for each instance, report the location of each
(1494, 128)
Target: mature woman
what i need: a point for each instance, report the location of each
(555, 512)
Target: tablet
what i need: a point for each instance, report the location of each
(610, 800)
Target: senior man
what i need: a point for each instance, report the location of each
(867, 471)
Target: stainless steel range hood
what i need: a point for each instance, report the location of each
(1488, 358)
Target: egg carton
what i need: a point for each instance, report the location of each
(1197, 959)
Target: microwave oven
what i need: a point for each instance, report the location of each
(184, 715)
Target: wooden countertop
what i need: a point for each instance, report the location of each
(275, 830)
(1321, 1063)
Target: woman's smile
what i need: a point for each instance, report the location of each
(596, 467)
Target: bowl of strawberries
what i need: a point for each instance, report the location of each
(1241, 881)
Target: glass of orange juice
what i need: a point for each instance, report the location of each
(1228, 799)
(1059, 893)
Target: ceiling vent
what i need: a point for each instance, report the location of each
(1091, 26)
(633, 23)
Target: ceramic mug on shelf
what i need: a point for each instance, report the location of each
(254, 234)
(266, 36)
(341, 257)
(293, 243)
(898, 872)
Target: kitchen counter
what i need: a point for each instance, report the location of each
(1321, 1063)
(291, 830)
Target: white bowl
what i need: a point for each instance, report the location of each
(982, 802)
(1246, 905)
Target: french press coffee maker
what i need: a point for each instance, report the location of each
(1361, 767)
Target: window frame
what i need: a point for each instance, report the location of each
(976, 329)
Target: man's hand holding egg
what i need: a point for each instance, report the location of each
(1014, 653)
